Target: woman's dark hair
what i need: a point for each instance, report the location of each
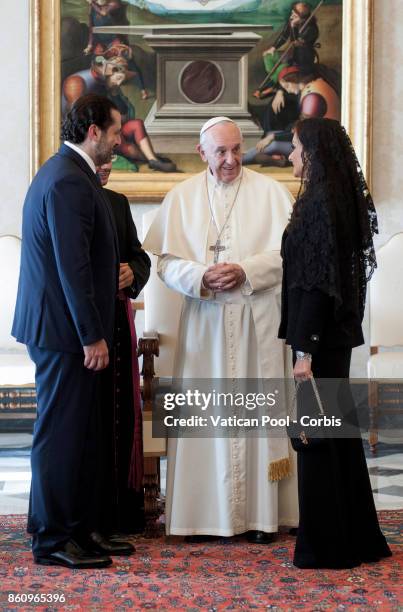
(87, 110)
(301, 77)
(334, 218)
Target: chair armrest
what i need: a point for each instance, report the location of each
(148, 348)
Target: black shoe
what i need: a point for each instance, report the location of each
(164, 159)
(199, 539)
(260, 537)
(162, 166)
(73, 556)
(117, 536)
(101, 544)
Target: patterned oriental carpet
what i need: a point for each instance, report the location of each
(170, 574)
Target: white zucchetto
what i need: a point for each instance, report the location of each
(213, 121)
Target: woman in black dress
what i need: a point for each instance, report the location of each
(328, 258)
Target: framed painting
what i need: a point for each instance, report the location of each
(170, 65)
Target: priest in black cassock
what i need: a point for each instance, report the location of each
(121, 495)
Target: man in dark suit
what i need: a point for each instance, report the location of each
(65, 315)
(122, 506)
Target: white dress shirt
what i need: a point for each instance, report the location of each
(83, 154)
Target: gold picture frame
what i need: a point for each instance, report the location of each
(357, 76)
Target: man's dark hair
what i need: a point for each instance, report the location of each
(303, 9)
(87, 110)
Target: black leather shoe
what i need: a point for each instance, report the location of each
(260, 537)
(199, 539)
(73, 556)
(101, 544)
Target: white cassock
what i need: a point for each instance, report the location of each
(226, 486)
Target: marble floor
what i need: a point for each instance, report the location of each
(386, 473)
(15, 472)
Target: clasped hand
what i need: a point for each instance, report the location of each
(96, 355)
(126, 276)
(224, 277)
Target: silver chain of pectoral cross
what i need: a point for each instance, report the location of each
(218, 247)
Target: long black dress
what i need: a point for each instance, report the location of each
(122, 507)
(338, 524)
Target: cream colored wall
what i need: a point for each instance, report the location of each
(387, 176)
(388, 117)
(387, 127)
(14, 113)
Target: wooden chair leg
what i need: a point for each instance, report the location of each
(152, 502)
(149, 348)
(373, 440)
(373, 415)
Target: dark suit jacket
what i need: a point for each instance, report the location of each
(129, 245)
(69, 259)
(308, 319)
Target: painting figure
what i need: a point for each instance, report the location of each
(105, 77)
(315, 97)
(104, 13)
(111, 13)
(299, 38)
(302, 31)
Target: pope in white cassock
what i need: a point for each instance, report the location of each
(217, 236)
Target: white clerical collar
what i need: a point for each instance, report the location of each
(214, 182)
(83, 154)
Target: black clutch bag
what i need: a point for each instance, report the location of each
(308, 438)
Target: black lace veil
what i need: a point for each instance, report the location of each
(334, 219)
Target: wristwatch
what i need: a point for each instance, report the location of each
(302, 355)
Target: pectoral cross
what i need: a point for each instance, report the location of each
(217, 247)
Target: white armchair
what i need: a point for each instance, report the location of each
(17, 372)
(386, 331)
(162, 308)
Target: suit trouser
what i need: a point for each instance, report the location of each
(64, 450)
